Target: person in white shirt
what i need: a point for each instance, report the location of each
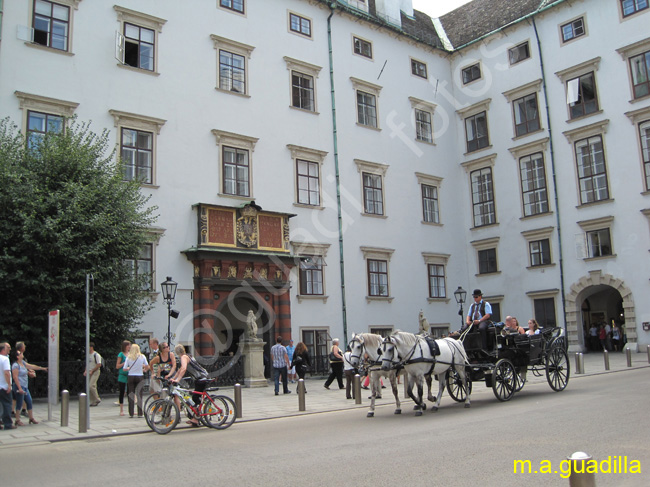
(5, 386)
(136, 364)
(93, 366)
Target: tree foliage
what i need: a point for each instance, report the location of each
(65, 211)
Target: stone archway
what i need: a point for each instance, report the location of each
(574, 303)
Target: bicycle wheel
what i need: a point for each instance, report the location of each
(147, 405)
(163, 416)
(218, 412)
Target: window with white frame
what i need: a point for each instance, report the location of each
(533, 184)
(137, 136)
(42, 115)
(486, 255)
(429, 187)
(232, 58)
(233, 5)
(299, 24)
(630, 7)
(236, 163)
(476, 132)
(51, 24)
(581, 90)
(366, 99)
(372, 187)
(526, 115)
(418, 68)
(377, 271)
(597, 234)
(308, 163)
(39, 124)
(141, 267)
(311, 270)
(640, 69)
(484, 209)
(644, 134)
(573, 29)
(137, 40)
(539, 246)
(303, 83)
(471, 73)
(544, 307)
(436, 275)
(362, 47)
(592, 171)
(519, 53)
(423, 113)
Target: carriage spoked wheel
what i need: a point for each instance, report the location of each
(455, 386)
(521, 380)
(557, 369)
(504, 380)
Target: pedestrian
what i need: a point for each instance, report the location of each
(602, 336)
(31, 371)
(162, 365)
(136, 365)
(93, 366)
(349, 371)
(292, 371)
(301, 361)
(21, 389)
(336, 363)
(608, 337)
(280, 362)
(593, 337)
(5, 386)
(616, 337)
(122, 375)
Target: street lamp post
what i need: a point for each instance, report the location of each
(169, 294)
(460, 294)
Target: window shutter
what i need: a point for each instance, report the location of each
(119, 47)
(25, 33)
(572, 91)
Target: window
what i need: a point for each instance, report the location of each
(236, 165)
(377, 277)
(142, 267)
(316, 343)
(540, 252)
(362, 47)
(38, 124)
(373, 195)
(487, 261)
(599, 243)
(630, 7)
(423, 126)
(137, 39)
(311, 275)
(302, 91)
(51, 24)
(533, 184)
(366, 109)
(581, 95)
(308, 182)
(644, 132)
(471, 73)
(419, 68)
(299, 25)
(545, 312)
(573, 29)
(430, 204)
(233, 65)
(592, 173)
(483, 197)
(437, 288)
(42, 115)
(640, 67)
(234, 5)
(518, 53)
(496, 312)
(476, 132)
(136, 149)
(526, 114)
(382, 331)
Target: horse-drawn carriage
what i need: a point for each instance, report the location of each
(508, 359)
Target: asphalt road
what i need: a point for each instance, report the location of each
(604, 415)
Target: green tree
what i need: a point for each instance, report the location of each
(65, 211)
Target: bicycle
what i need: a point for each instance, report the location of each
(214, 411)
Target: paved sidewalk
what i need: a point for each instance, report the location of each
(257, 404)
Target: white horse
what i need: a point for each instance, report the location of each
(412, 351)
(368, 346)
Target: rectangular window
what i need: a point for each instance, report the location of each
(308, 182)
(581, 95)
(644, 129)
(592, 174)
(316, 343)
(518, 53)
(362, 48)
(533, 184)
(545, 312)
(483, 197)
(487, 261)
(540, 252)
(419, 69)
(142, 267)
(311, 276)
(136, 150)
(235, 171)
(599, 243)
(471, 73)
(630, 7)
(366, 109)
(423, 127)
(476, 132)
(300, 25)
(51, 24)
(38, 124)
(373, 198)
(138, 47)
(640, 66)
(232, 72)
(236, 5)
(496, 312)
(302, 91)
(430, 204)
(573, 29)
(526, 114)
(377, 277)
(437, 287)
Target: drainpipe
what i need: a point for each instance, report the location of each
(332, 5)
(557, 204)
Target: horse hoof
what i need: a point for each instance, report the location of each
(416, 407)
(434, 409)
(398, 411)
(467, 406)
(418, 413)
(432, 399)
(424, 407)
(370, 415)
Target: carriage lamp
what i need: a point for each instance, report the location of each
(169, 295)
(460, 294)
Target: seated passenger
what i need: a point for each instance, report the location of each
(512, 327)
(533, 327)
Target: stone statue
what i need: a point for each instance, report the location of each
(251, 327)
(424, 324)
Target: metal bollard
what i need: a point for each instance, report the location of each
(580, 363)
(301, 395)
(238, 405)
(356, 388)
(579, 476)
(649, 354)
(65, 407)
(628, 353)
(83, 413)
(606, 359)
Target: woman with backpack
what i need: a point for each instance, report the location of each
(194, 369)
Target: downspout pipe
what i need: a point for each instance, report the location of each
(553, 176)
(332, 6)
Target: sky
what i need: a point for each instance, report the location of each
(436, 8)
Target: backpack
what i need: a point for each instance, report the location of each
(102, 367)
(195, 369)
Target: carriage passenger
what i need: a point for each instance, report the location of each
(533, 327)
(512, 327)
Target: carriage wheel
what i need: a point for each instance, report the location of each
(455, 386)
(557, 369)
(504, 380)
(521, 381)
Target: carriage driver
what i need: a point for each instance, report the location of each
(479, 315)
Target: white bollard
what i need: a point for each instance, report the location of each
(579, 477)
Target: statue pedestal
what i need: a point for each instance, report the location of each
(254, 364)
